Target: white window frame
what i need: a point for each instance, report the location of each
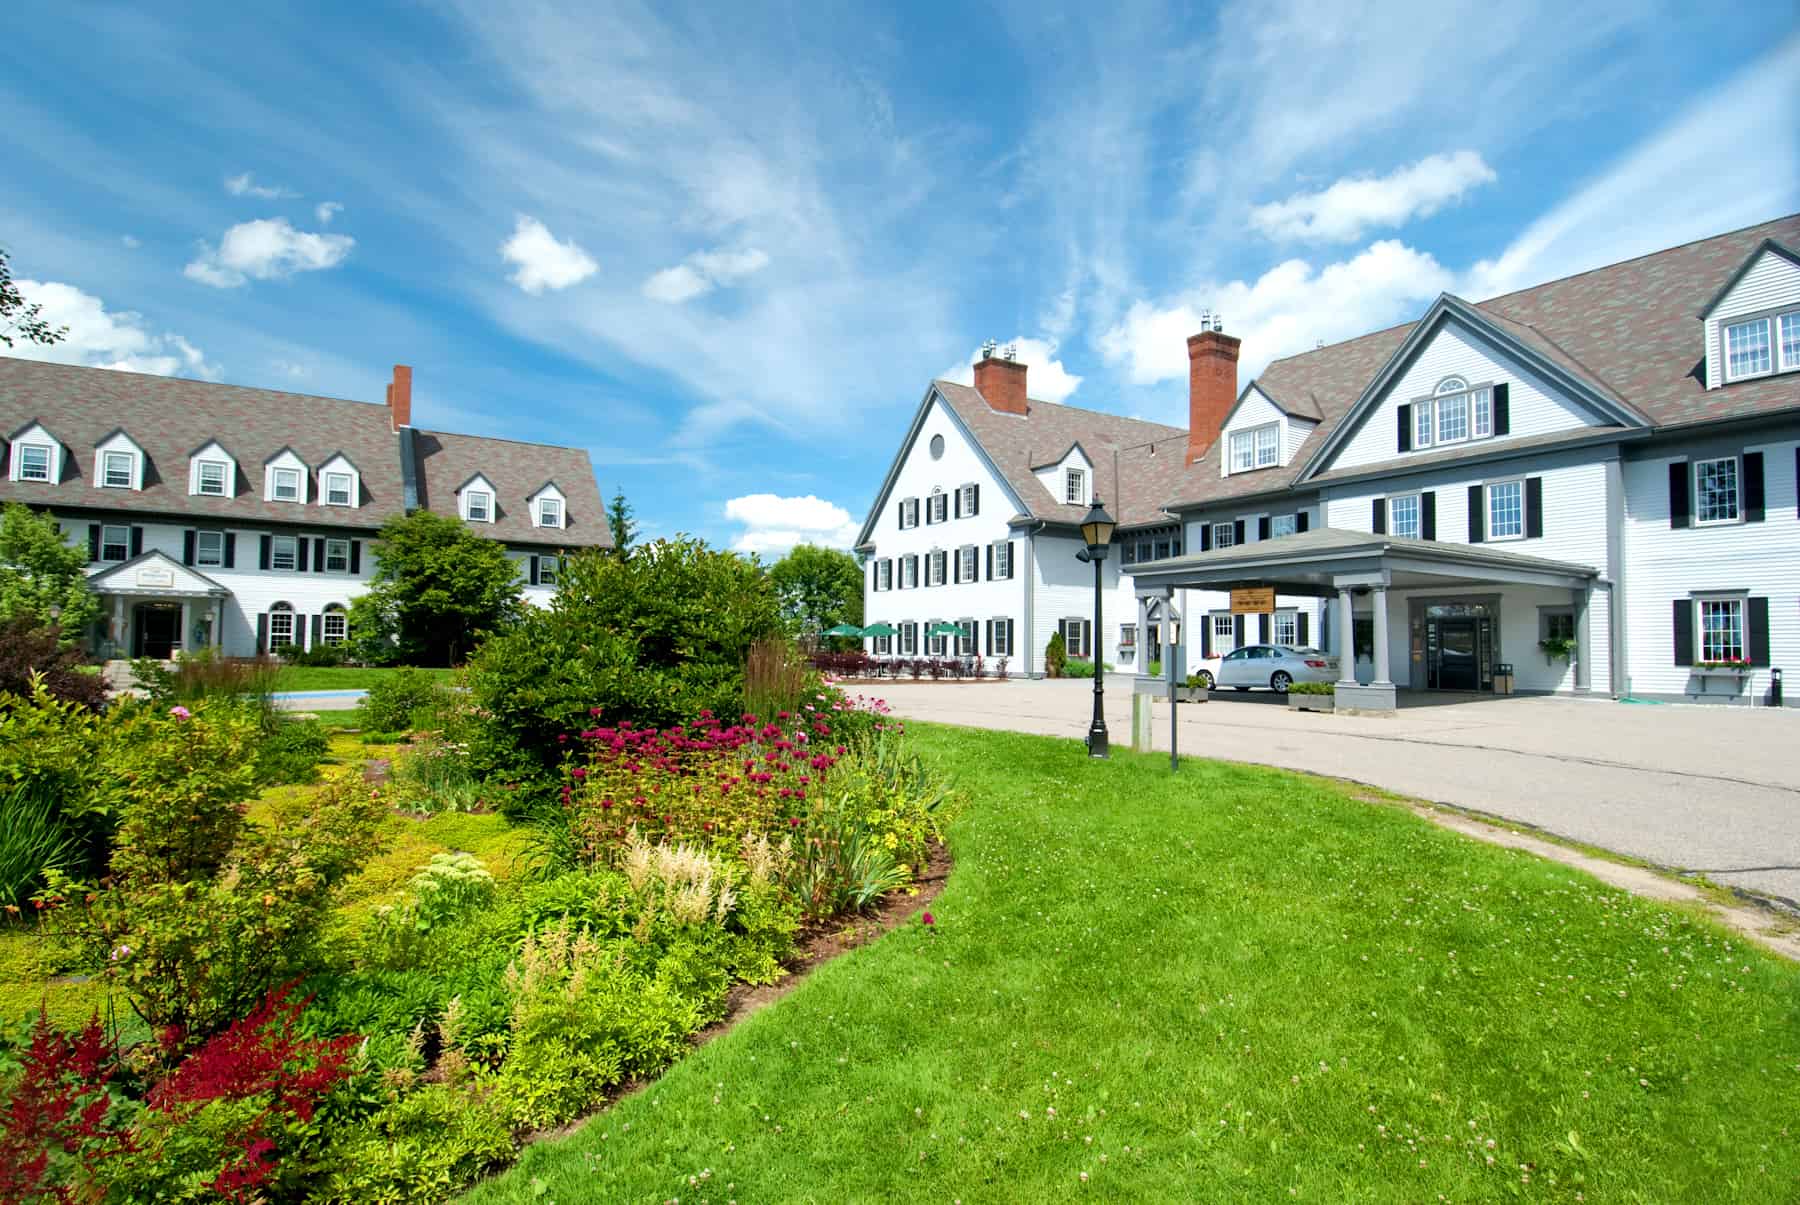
(330, 487)
(1002, 647)
(293, 554)
(544, 517)
(1284, 525)
(1787, 362)
(129, 470)
(936, 646)
(487, 506)
(1224, 535)
(884, 573)
(937, 507)
(49, 454)
(549, 570)
(967, 502)
(285, 612)
(966, 645)
(201, 560)
(883, 645)
(1291, 621)
(1074, 487)
(1737, 491)
(937, 567)
(223, 468)
(1770, 349)
(123, 543)
(1490, 531)
(909, 639)
(1453, 395)
(279, 475)
(909, 572)
(334, 625)
(1003, 560)
(1418, 516)
(968, 563)
(1733, 605)
(1071, 627)
(337, 550)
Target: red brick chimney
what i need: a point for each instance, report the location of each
(1001, 381)
(1212, 387)
(399, 398)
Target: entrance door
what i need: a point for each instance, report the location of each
(1457, 655)
(158, 631)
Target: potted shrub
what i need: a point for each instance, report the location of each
(1312, 696)
(1056, 656)
(1558, 648)
(1193, 692)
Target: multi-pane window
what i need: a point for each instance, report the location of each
(284, 553)
(965, 643)
(1747, 349)
(1127, 636)
(884, 574)
(1162, 549)
(548, 569)
(287, 485)
(884, 646)
(909, 639)
(209, 549)
(1453, 419)
(1286, 628)
(1283, 525)
(1422, 425)
(1224, 535)
(480, 506)
(117, 471)
(938, 508)
(1002, 646)
(1074, 486)
(1506, 510)
(966, 503)
(337, 489)
(965, 557)
(1482, 401)
(1790, 340)
(1453, 414)
(1721, 629)
(1073, 643)
(211, 478)
(115, 543)
(1716, 490)
(1256, 448)
(337, 556)
(34, 462)
(1224, 628)
(281, 625)
(935, 646)
(550, 512)
(1003, 559)
(909, 572)
(1403, 516)
(909, 512)
(935, 566)
(336, 628)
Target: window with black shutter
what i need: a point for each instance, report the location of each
(1427, 517)
(1684, 631)
(1679, 509)
(1404, 442)
(1477, 514)
(1753, 487)
(1502, 409)
(1756, 631)
(1534, 507)
(1378, 516)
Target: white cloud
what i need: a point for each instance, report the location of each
(1287, 309)
(1341, 213)
(102, 338)
(774, 524)
(703, 272)
(1045, 376)
(292, 369)
(326, 210)
(266, 249)
(542, 261)
(130, 241)
(246, 186)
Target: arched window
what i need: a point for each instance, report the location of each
(281, 625)
(336, 624)
(1451, 385)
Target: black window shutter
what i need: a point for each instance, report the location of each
(231, 550)
(1087, 642)
(975, 499)
(533, 568)
(902, 505)
(1502, 410)
(264, 564)
(356, 556)
(1477, 520)
(1262, 527)
(1262, 628)
(300, 554)
(1205, 637)
(1753, 487)
(1205, 537)
(958, 511)
(1378, 516)
(1010, 560)
(262, 630)
(990, 562)
(137, 541)
(1237, 531)
(1756, 631)
(187, 548)
(93, 541)
(1300, 632)
(319, 556)
(1237, 630)
(1797, 479)
(1405, 441)
(1534, 507)
(1678, 494)
(318, 629)
(1427, 517)
(1300, 521)
(1684, 631)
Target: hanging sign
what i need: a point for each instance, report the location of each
(156, 577)
(1253, 600)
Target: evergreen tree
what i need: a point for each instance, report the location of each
(624, 527)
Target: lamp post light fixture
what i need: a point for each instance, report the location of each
(1097, 532)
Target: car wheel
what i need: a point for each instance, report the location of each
(1206, 680)
(1280, 681)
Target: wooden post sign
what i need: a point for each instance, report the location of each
(1253, 600)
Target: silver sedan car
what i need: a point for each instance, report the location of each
(1268, 667)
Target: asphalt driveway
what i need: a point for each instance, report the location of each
(1710, 790)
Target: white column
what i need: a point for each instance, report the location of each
(118, 624)
(1345, 640)
(1584, 647)
(187, 621)
(1381, 637)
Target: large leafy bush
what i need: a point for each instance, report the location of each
(59, 796)
(438, 587)
(43, 577)
(30, 653)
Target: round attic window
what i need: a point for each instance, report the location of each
(937, 447)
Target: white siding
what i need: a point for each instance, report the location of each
(1773, 282)
(1534, 406)
(1297, 431)
(1664, 564)
(1052, 476)
(1256, 410)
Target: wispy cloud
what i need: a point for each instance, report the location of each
(324, 211)
(266, 249)
(772, 523)
(102, 338)
(1355, 204)
(245, 185)
(703, 272)
(541, 261)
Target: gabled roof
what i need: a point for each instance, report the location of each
(1064, 455)
(178, 571)
(114, 434)
(1767, 246)
(548, 485)
(513, 469)
(472, 479)
(28, 425)
(339, 455)
(211, 443)
(285, 450)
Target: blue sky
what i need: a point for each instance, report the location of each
(724, 248)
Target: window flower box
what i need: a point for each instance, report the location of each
(1722, 669)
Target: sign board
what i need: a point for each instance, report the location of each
(1253, 600)
(156, 577)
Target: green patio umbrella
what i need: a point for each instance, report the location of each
(945, 629)
(843, 629)
(878, 629)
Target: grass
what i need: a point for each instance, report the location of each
(337, 677)
(1234, 983)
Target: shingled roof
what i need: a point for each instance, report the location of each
(517, 471)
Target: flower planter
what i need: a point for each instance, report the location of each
(1311, 702)
(1731, 679)
(1190, 694)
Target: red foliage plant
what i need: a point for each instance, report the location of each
(58, 1103)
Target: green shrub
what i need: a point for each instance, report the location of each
(436, 775)
(291, 753)
(776, 678)
(59, 794)
(423, 1147)
(33, 837)
(1313, 688)
(318, 655)
(405, 699)
(28, 651)
(1056, 656)
(205, 675)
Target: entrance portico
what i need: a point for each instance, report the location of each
(1451, 600)
(153, 606)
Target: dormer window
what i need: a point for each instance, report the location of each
(1256, 448)
(1761, 346)
(116, 473)
(1075, 486)
(118, 462)
(286, 485)
(550, 512)
(481, 506)
(338, 489)
(36, 455)
(210, 478)
(34, 462)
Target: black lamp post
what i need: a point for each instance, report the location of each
(1097, 532)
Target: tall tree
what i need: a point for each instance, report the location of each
(819, 588)
(18, 319)
(438, 588)
(41, 573)
(624, 527)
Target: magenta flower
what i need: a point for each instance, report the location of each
(180, 712)
(928, 919)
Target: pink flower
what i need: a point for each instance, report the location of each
(928, 919)
(180, 712)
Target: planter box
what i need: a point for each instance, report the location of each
(1190, 694)
(1312, 702)
(1730, 681)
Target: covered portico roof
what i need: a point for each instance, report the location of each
(1330, 559)
(154, 575)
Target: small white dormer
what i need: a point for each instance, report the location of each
(212, 471)
(340, 482)
(284, 478)
(548, 507)
(476, 500)
(118, 462)
(1752, 324)
(1069, 478)
(1258, 434)
(35, 455)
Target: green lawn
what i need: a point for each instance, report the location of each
(337, 677)
(1230, 984)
